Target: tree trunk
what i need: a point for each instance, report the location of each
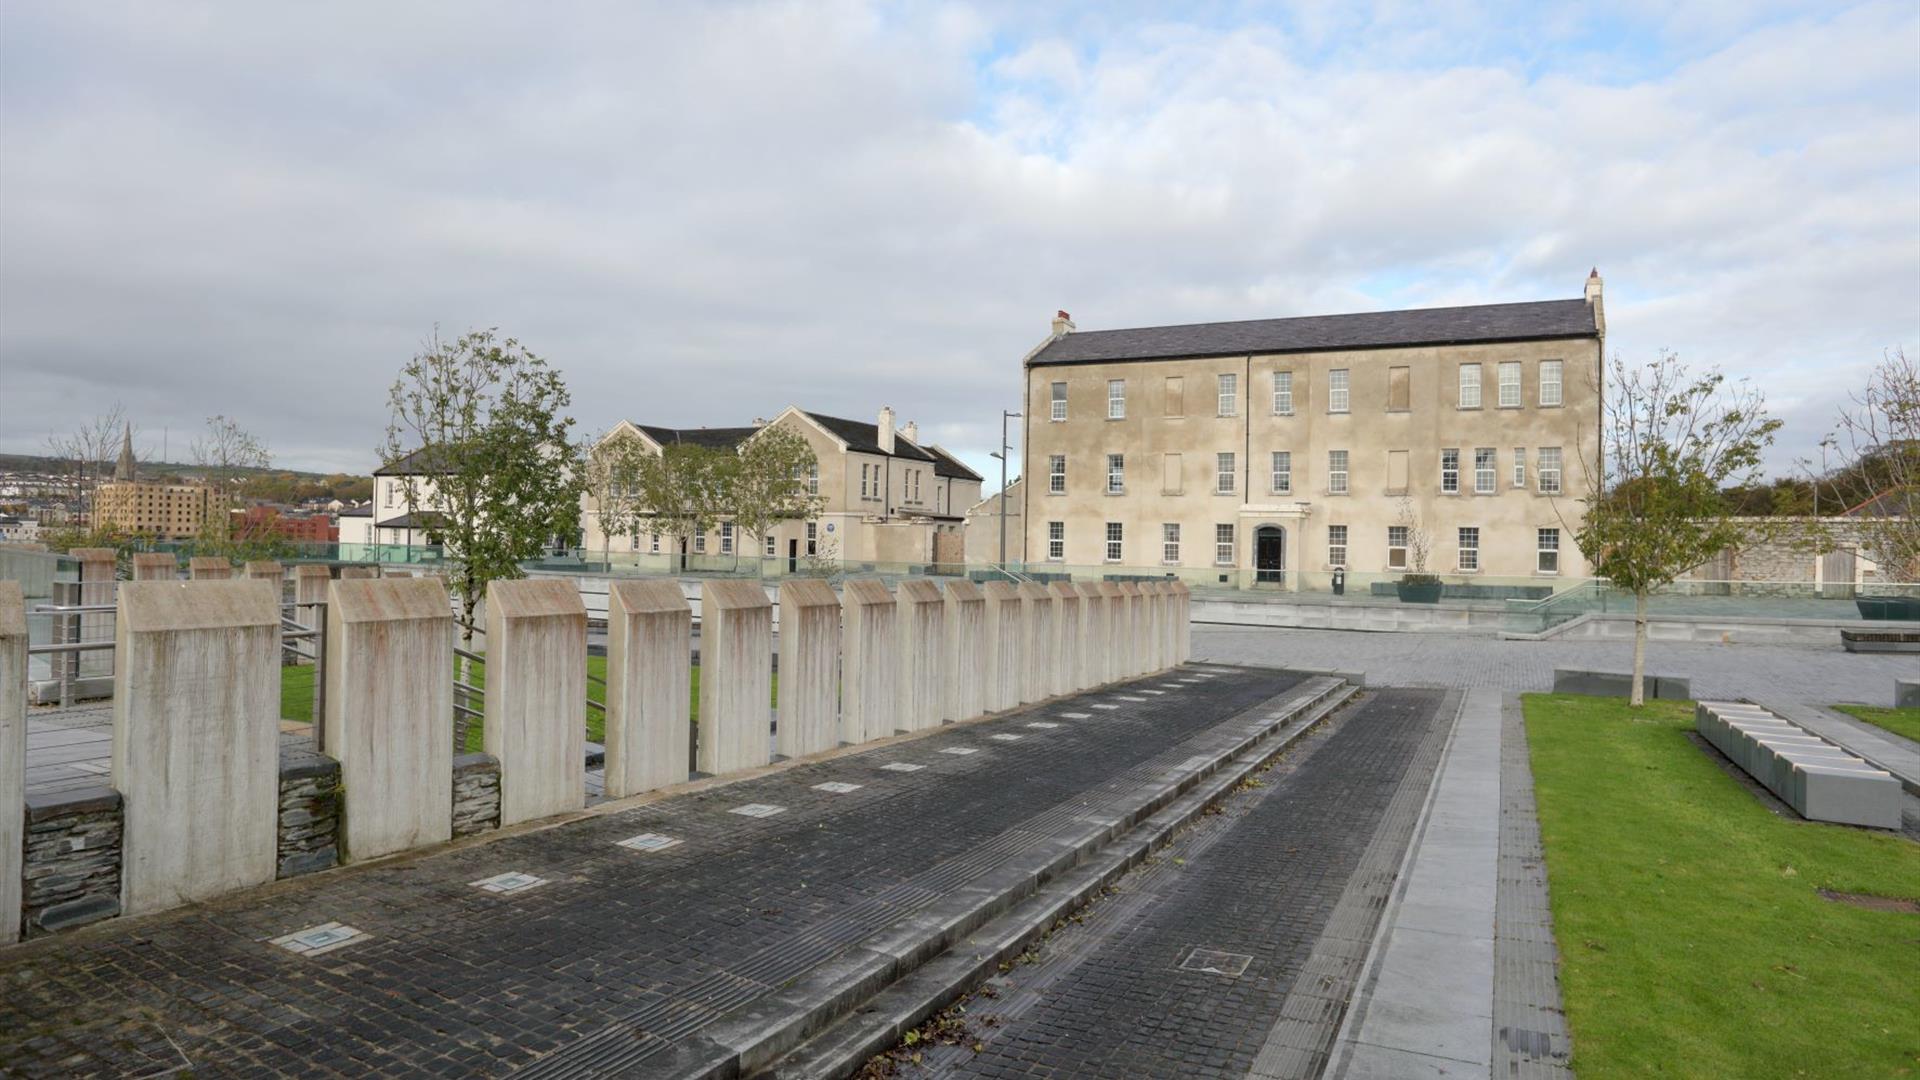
(1639, 695)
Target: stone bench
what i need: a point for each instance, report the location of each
(1619, 684)
(1820, 780)
(1906, 693)
(1880, 641)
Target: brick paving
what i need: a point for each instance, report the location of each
(617, 946)
(1109, 997)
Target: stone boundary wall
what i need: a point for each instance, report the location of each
(308, 838)
(72, 868)
(476, 794)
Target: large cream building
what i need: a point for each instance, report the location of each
(1268, 453)
(129, 504)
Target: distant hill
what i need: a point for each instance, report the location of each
(42, 463)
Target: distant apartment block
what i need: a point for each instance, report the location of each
(1274, 451)
(147, 508)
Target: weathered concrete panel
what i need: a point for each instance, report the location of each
(155, 566)
(966, 672)
(1906, 693)
(1037, 606)
(196, 737)
(536, 696)
(389, 712)
(1006, 637)
(355, 572)
(870, 668)
(649, 686)
(1133, 649)
(1093, 639)
(923, 655)
(98, 569)
(809, 668)
(13, 753)
(1067, 625)
(736, 676)
(1153, 602)
(209, 568)
(1182, 622)
(1119, 622)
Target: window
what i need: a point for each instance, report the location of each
(1519, 466)
(1450, 472)
(865, 484)
(1059, 401)
(1282, 472)
(1550, 470)
(700, 544)
(1116, 473)
(1398, 392)
(1223, 545)
(1113, 541)
(1337, 390)
(1485, 470)
(654, 544)
(391, 489)
(1176, 403)
(1116, 399)
(813, 538)
(1336, 472)
(1224, 482)
(1056, 540)
(1549, 382)
(1510, 384)
(1057, 474)
(1283, 393)
(1397, 546)
(1469, 386)
(1469, 547)
(1336, 545)
(1170, 543)
(770, 550)
(1548, 554)
(1229, 395)
(1170, 474)
(726, 538)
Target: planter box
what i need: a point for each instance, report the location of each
(1888, 607)
(1418, 592)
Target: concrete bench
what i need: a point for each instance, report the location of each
(1820, 780)
(1906, 693)
(1619, 684)
(1880, 641)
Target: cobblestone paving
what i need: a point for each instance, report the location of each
(1784, 673)
(454, 980)
(1110, 997)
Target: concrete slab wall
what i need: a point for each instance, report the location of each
(1036, 604)
(99, 567)
(1066, 638)
(33, 567)
(536, 697)
(389, 712)
(209, 568)
(1113, 660)
(1006, 637)
(923, 655)
(352, 572)
(649, 686)
(809, 685)
(870, 661)
(155, 566)
(13, 753)
(736, 676)
(196, 737)
(1093, 635)
(1182, 622)
(1132, 649)
(966, 672)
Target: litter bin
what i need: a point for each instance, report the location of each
(1339, 581)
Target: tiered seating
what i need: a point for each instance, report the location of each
(1820, 780)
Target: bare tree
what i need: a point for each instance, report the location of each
(1672, 446)
(86, 455)
(224, 453)
(1877, 438)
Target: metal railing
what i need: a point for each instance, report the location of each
(470, 699)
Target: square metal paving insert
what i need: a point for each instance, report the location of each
(648, 841)
(961, 750)
(1215, 962)
(1004, 737)
(902, 766)
(836, 787)
(318, 939)
(512, 881)
(758, 809)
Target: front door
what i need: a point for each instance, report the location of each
(793, 555)
(1269, 555)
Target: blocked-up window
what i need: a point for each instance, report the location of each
(1170, 466)
(1399, 389)
(1469, 386)
(1396, 472)
(1176, 404)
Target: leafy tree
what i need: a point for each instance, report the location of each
(1672, 443)
(223, 454)
(682, 491)
(484, 420)
(613, 481)
(767, 483)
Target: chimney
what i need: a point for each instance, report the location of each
(1594, 285)
(912, 431)
(1062, 324)
(886, 429)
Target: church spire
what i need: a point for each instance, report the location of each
(124, 471)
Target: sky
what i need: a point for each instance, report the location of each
(704, 213)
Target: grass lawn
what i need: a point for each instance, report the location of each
(1692, 938)
(1905, 722)
(296, 697)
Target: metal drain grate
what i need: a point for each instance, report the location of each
(1215, 962)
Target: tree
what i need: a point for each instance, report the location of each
(681, 491)
(1877, 437)
(87, 454)
(768, 482)
(495, 477)
(613, 479)
(223, 454)
(1672, 444)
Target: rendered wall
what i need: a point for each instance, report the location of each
(809, 668)
(923, 655)
(649, 656)
(966, 651)
(736, 676)
(536, 696)
(870, 666)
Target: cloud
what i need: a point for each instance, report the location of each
(703, 213)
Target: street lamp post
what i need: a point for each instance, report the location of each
(1002, 455)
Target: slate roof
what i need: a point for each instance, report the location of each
(718, 438)
(1528, 321)
(417, 463)
(423, 519)
(865, 437)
